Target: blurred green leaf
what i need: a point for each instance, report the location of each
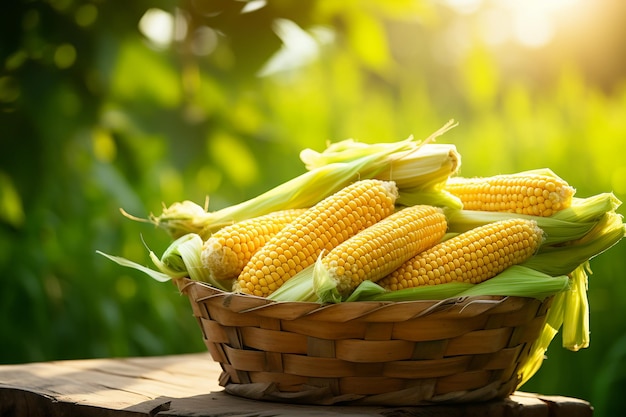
(158, 82)
(11, 210)
(234, 158)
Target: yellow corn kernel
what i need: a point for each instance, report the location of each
(531, 194)
(471, 257)
(229, 249)
(378, 250)
(321, 228)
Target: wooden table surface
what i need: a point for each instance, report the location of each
(187, 385)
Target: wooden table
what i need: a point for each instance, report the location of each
(187, 385)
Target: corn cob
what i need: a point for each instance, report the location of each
(229, 249)
(473, 256)
(320, 228)
(532, 194)
(378, 250)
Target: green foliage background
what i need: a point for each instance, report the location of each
(95, 118)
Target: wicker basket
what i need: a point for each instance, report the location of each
(385, 353)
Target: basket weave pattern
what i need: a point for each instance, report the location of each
(396, 353)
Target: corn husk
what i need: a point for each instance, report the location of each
(516, 281)
(536, 356)
(402, 161)
(180, 259)
(423, 167)
(298, 288)
(569, 311)
(566, 257)
(576, 333)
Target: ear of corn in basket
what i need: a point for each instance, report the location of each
(228, 250)
(532, 193)
(320, 228)
(377, 251)
(399, 161)
(473, 256)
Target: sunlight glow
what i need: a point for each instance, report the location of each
(535, 21)
(158, 26)
(530, 23)
(532, 28)
(465, 6)
(494, 27)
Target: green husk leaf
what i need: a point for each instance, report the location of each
(180, 259)
(536, 356)
(298, 288)
(520, 281)
(569, 310)
(563, 259)
(514, 281)
(157, 276)
(370, 291)
(576, 311)
(588, 209)
(416, 196)
(366, 290)
(324, 285)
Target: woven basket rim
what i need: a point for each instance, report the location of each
(246, 303)
(220, 293)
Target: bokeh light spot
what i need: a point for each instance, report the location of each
(9, 89)
(104, 147)
(204, 41)
(158, 26)
(533, 29)
(64, 56)
(86, 15)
